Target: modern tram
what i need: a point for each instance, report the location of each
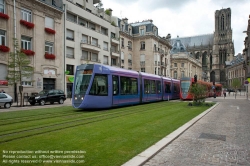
(99, 86)
(187, 82)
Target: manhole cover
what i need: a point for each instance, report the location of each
(213, 136)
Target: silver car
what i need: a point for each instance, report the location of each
(5, 100)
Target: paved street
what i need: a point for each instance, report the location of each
(222, 137)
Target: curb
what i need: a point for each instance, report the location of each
(146, 155)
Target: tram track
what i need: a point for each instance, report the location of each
(7, 137)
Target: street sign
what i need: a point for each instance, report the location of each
(246, 83)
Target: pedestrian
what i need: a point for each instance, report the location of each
(2, 91)
(224, 93)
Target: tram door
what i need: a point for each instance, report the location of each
(115, 90)
(146, 90)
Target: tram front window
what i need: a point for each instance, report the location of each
(82, 79)
(185, 86)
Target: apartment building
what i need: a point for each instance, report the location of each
(91, 37)
(236, 70)
(184, 64)
(142, 49)
(38, 31)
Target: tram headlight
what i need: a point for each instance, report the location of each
(75, 98)
(81, 98)
(37, 97)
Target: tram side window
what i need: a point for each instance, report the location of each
(146, 86)
(129, 86)
(99, 86)
(158, 85)
(167, 87)
(115, 85)
(176, 88)
(153, 88)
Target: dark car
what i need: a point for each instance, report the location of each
(45, 96)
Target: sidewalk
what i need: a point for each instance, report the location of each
(219, 136)
(14, 106)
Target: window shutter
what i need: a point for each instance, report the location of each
(49, 23)
(70, 34)
(122, 55)
(84, 55)
(142, 57)
(70, 52)
(3, 72)
(105, 60)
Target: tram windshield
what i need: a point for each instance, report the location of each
(185, 86)
(82, 79)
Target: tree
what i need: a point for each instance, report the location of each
(113, 23)
(236, 84)
(199, 92)
(107, 11)
(19, 67)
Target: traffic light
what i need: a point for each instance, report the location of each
(195, 78)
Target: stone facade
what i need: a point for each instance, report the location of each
(48, 73)
(236, 70)
(213, 50)
(142, 49)
(90, 37)
(184, 64)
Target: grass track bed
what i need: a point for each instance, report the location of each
(109, 137)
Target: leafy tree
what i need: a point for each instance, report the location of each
(108, 12)
(18, 68)
(198, 92)
(236, 84)
(113, 23)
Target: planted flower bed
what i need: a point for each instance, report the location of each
(29, 25)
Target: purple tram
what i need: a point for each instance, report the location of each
(99, 86)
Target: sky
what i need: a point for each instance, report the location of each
(184, 17)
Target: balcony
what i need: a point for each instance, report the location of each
(115, 53)
(87, 45)
(115, 40)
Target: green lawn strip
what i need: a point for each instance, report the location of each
(113, 141)
(52, 127)
(33, 113)
(5, 129)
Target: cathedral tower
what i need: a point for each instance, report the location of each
(223, 48)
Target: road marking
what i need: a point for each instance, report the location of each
(235, 106)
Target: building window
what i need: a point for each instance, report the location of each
(182, 64)
(142, 45)
(71, 17)
(182, 74)
(105, 60)
(2, 6)
(70, 35)
(85, 39)
(175, 64)
(142, 69)
(94, 57)
(94, 42)
(175, 74)
(112, 35)
(49, 48)
(70, 52)
(49, 22)
(122, 42)
(122, 27)
(141, 31)
(113, 48)
(27, 81)
(104, 31)
(84, 55)
(26, 15)
(130, 45)
(82, 22)
(2, 37)
(113, 62)
(70, 68)
(105, 46)
(122, 57)
(3, 71)
(26, 43)
(92, 26)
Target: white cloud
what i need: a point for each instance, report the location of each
(185, 17)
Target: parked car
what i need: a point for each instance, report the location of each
(5, 100)
(45, 96)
